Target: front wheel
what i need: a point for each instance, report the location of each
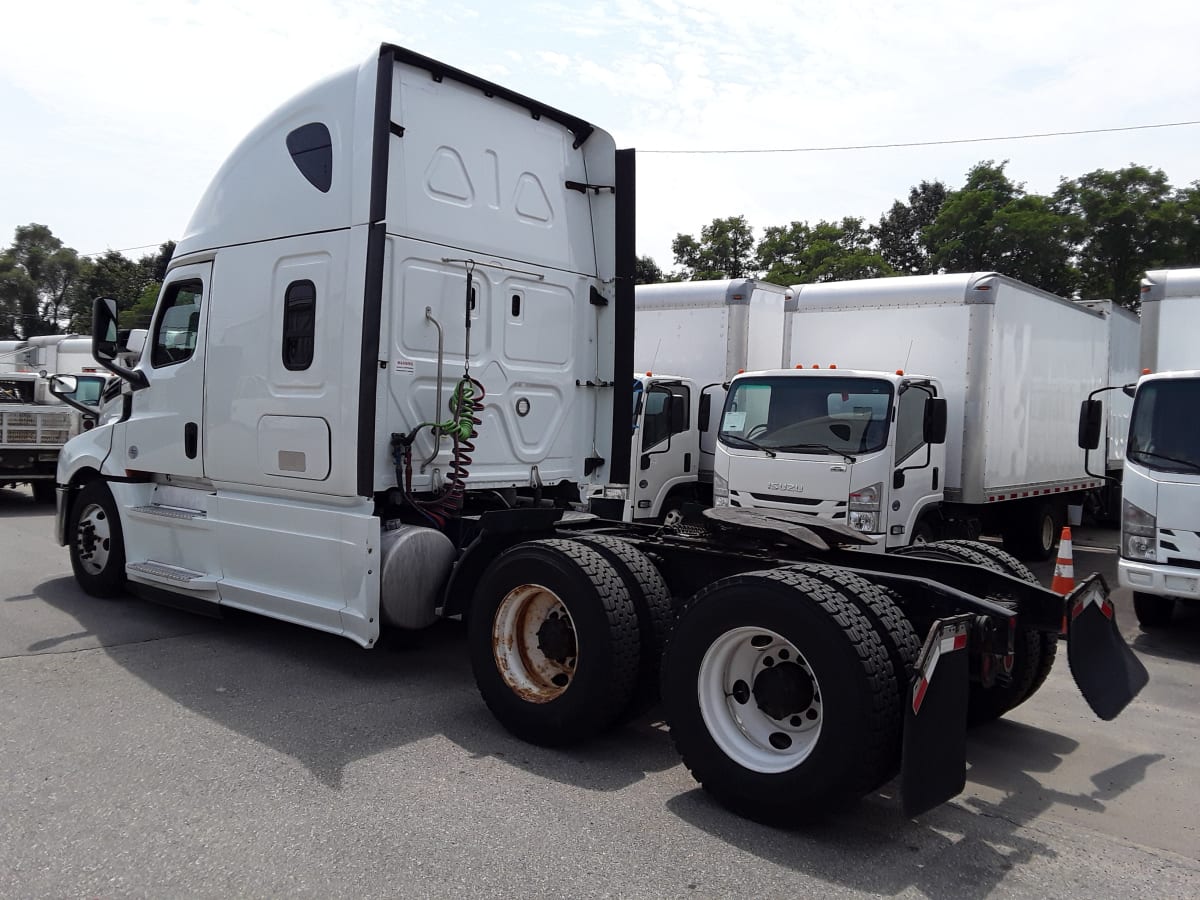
(1152, 610)
(96, 541)
(43, 491)
(780, 696)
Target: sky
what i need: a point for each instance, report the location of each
(117, 114)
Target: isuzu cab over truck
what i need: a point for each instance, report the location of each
(1160, 507)
(703, 333)
(1009, 364)
(390, 352)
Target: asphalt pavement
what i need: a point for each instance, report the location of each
(150, 752)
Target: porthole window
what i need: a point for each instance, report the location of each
(312, 152)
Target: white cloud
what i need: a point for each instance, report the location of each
(118, 113)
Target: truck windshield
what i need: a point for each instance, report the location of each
(89, 390)
(834, 416)
(1164, 430)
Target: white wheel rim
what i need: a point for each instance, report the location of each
(672, 518)
(534, 643)
(734, 686)
(93, 538)
(1047, 533)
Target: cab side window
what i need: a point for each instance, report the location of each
(178, 324)
(910, 422)
(666, 413)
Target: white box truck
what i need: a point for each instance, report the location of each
(1124, 343)
(1160, 508)
(392, 348)
(690, 338)
(1011, 363)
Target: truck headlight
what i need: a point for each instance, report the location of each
(1139, 533)
(720, 491)
(864, 508)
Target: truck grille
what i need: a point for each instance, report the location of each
(35, 429)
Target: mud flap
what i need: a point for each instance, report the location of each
(933, 762)
(1106, 670)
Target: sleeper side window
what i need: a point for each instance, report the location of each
(178, 324)
(299, 325)
(311, 148)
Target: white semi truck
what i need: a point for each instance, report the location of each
(392, 350)
(1160, 508)
(844, 433)
(690, 338)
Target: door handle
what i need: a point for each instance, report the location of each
(191, 438)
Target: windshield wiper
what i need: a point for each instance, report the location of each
(1191, 464)
(746, 442)
(797, 448)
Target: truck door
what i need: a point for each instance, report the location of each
(669, 447)
(919, 469)
(164, 432)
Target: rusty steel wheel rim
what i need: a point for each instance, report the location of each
(534, 643)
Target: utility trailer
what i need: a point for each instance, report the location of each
(388, 358)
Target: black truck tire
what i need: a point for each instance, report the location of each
(1033, 532)
(780, 696)
(96, 542)
(553, 639)
(1047, 643)
(1152, 611)
(1030, 670)
(900, 639)
(655, 612)
(44, 490)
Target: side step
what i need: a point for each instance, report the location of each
(172, 576)
(169, 512)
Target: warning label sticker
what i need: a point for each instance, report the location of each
(406, 367)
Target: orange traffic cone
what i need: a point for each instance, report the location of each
(1064, 570)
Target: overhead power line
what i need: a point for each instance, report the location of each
(122, 250)
(974, 140)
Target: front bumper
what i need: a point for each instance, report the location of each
(1161, 580)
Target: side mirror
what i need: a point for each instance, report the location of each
(106, 344)
(105, 341)
(1091, 417)
(63, 386)
(933, 428)
(704, 411)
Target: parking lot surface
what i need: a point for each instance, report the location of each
(148, 751)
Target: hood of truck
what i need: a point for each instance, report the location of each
(1179, 503)
(802, 482)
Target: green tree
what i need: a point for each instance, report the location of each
(826, 251)
(725, 250)
(900, 234)
(38, 281)
(1126, 221)
(991, 224)
(646, 271)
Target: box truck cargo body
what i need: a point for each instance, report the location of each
(689, 338)
(1160, 510)
(1012, 363)
(392, 350)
